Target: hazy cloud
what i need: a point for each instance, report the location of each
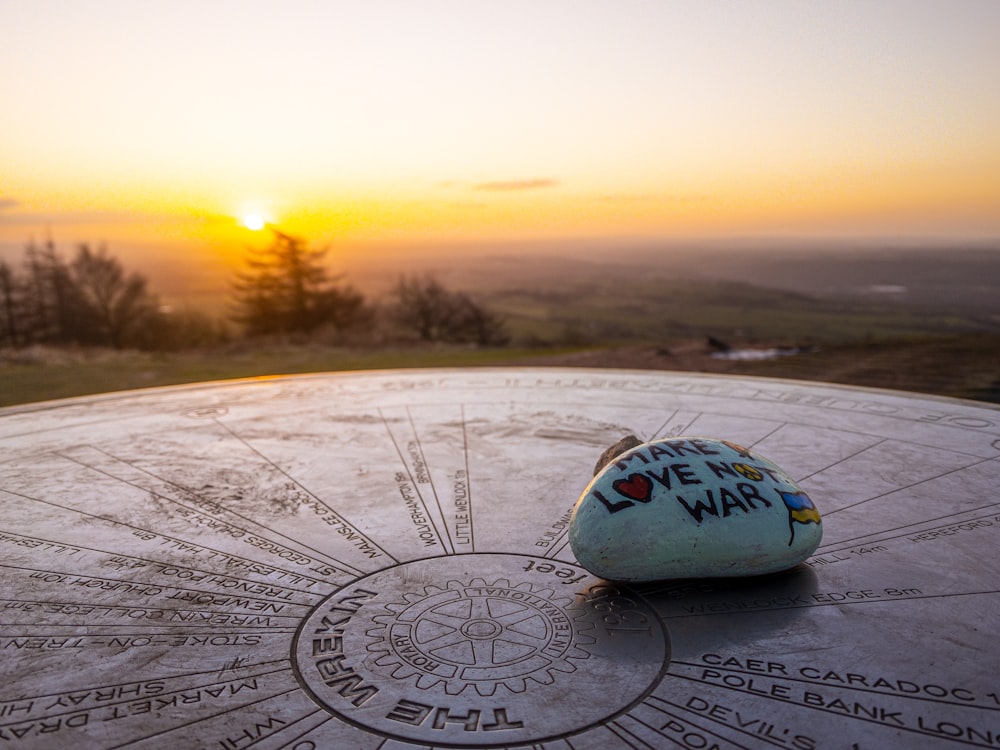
(510, 185)
(436, 204)
(649, 197)
(42, 218)
(690, 198)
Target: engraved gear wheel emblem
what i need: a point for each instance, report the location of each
(460, 651)
(480, 635)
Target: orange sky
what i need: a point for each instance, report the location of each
(158, 124)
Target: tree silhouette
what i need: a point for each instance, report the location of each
(88, 301)
(435, 313)
(51, 309)
(285, 288)
(117, 305)
(9, 302)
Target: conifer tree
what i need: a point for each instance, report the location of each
(285, 288)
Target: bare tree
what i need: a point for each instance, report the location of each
(435, 313)
(9, 328)
(91, 300)
(117, 304)
(285, 288)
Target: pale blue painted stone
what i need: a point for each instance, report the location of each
(691, 507)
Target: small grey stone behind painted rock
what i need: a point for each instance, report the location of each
(691, 507)
(626, 443)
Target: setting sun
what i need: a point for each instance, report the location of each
(254, 222)
(696, 121)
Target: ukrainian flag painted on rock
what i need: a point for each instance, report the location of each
(800, 510)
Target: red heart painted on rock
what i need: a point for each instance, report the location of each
(636, 487)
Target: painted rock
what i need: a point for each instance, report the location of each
(692, 507)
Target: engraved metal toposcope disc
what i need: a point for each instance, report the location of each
(380, 560)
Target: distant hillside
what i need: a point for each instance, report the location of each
(642, 295)
(963, 279)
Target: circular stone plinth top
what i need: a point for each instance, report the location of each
(381, 560)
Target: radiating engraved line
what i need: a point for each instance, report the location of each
(293, 742)
(94, 632)
(175, 631)
(59, 428)
(416, 487)
(187, 490)
(116, 522)
(192, 628)
(663, 426)
(564, 545)
(835, 686)
(908, 486)
(131, 699)
(887, 600)
(430, 478)
(468, 480)
(152, 561)
(658, 732)
(172, 677)
(760, 440)
(843, 460)
(558, 544)
(305, 489)
(840, 714)
(844, 543)
(187, 628)
(718, 412)
(695, 724)
(131, 582)
(158, 608)
(186, 724)
(687, 713)
(16, 538)
(687, 428)
(350, 570)
(861, 433)
(616, 725)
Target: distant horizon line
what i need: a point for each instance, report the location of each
(817, 241)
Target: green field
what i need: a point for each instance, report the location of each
(44, 374)
(655, 310)
(964, 366)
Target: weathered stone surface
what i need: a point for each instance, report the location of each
(692, 507)
(169, 556)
